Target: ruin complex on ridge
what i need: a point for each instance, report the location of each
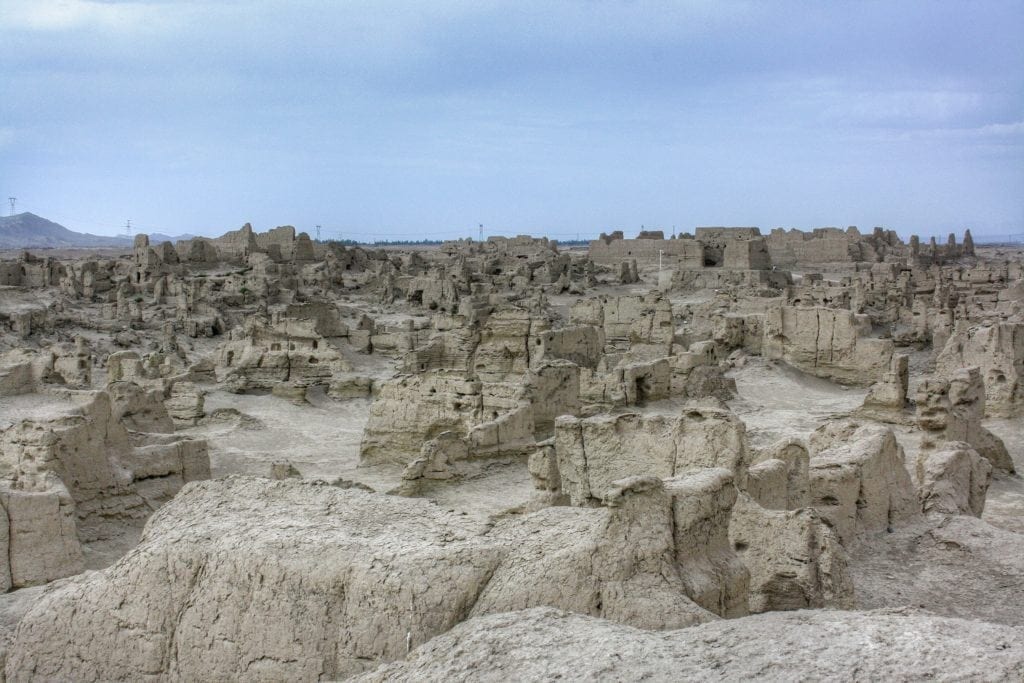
(264, 457)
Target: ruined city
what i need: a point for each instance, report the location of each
(723, 454)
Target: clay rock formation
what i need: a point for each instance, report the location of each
(546, 644)
(887, 398)
(24, 371)
(595, 574)
(826, 342)
(86, 475)
(292, 352)
(795, 559)
(258, 579)
(495, 418)
(778, 478)
(252, 578)
(713, 575)
(859, 480)
(38, 543)
(409, 410)
(621, 381)
(185, 404)
(698, 373)
(952, 409)
(641, 325)
(953, 480)
(543, 467)
(593, 452)
(998, 350)
(439, 460)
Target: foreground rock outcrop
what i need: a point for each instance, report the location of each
(255, 579)
(545, 644)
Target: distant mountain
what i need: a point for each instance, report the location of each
(29, 231)
(158, 237)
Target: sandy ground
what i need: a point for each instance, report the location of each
(1004, 505)
(247, 433)
(36, 407)
(17, 300)
(777, 401)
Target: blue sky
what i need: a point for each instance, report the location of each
(401, 119)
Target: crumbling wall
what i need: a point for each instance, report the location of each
(82, 477)
(411, 409)
(998, 350)
(859, 480)
(826, 342)
(681, 252)
(951, 409)
(593, 452)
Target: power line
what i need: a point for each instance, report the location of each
(128, 229)
(12, 200)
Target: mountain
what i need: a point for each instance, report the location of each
(26, 230)
(29, 231)
(158, 237)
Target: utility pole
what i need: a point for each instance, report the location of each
(318, 233)
(660, 252)
(128, 229)
(481, 232)
(12, 200)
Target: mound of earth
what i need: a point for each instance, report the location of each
(954, 565)
(886, 645)
(248, 578)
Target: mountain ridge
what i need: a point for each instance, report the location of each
(29, 231)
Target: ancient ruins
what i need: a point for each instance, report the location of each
(721, 455)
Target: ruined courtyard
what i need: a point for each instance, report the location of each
(727, 454)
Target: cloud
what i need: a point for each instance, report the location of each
(989, 135)
(552, 111)
(1001, 129)
(48, 16)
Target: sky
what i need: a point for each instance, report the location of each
(405, 120)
